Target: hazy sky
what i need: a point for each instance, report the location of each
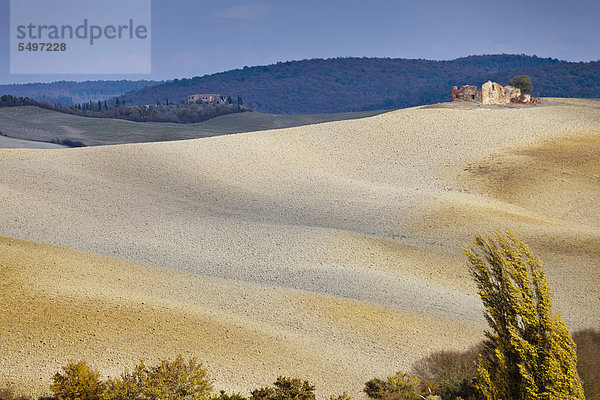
(197, 37)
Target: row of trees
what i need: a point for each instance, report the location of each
(11, 101)
(169, 112)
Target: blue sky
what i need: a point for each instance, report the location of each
(197, 37)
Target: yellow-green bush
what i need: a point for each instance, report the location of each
(226, 396)
(343, 396)
(285, 389)
(401, 386)
(169, 380)
(77, 382)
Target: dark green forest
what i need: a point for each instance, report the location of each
(361, 84)
(67, 93)
(336, 84)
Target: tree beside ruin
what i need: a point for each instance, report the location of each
(522, 82)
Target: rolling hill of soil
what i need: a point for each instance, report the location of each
(329, 251)
(38, 124)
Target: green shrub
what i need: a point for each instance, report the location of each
(285, 389)
(522, 82)
(452, 372)
(225, 396)
(169, 380)
(77, 382)
(588, 361)
(401, 386)
(343, 396)
(454, 389)
(447, 365)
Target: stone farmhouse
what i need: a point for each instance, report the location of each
(206, 99)
(491, 93)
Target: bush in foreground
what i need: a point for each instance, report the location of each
(453, 373)
(226, 396)
(77, 382)
(169, 380)
(343, 396)
(401, 386)
(449, 375)
(447, 365)
(285, 389)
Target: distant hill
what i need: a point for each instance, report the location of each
(68, 92)
(359, 84)
(38, 124)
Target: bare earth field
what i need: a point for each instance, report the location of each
(59, 304)
(329, 251)
(11, 143)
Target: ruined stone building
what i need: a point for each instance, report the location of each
(466, 93)
(490, 93)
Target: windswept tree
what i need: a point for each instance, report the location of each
(529, 353)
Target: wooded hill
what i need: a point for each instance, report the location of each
(337, 84)
(68, 93)
(358, 84)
